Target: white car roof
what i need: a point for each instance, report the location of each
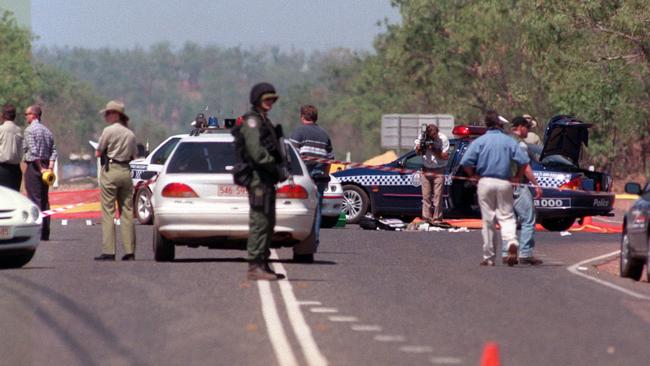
(220, 136)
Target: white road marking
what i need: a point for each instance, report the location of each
(309, 303)
(575, 270)
(324, 310)
(302, 331)
(389, 338)
(365, 328)
(446, 360)
(64, 222)
(343, 319)
(89, 223)
(278, 337)
(416, 349)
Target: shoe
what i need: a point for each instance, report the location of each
(128, 257)
(105, 257)
(256, 272)
(531, 260)
(511, 259)
(487, 262)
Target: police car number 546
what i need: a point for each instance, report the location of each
(552, 202)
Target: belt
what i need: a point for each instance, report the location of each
(113, 161)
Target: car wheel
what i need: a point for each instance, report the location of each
(355, 203)
(558, 224)
(143, 206)
(16, 260)
(328, 222)
(630, 267)
(163, 249)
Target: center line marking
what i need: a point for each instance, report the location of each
(309, 303)
(324, 310)
(302, 331)
(343, 319)
(278, 337)
(575, 269)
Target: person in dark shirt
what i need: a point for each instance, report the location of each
(312, 140)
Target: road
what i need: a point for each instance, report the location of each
(372, 298)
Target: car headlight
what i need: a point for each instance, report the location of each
(36, 215)
(26, 217)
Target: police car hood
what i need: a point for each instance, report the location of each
(563, 138)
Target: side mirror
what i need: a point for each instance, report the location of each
(633, 188)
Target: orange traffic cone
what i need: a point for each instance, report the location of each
(490, 355)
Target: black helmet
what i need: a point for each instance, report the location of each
(260, 91)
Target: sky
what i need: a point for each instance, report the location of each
(300, 24)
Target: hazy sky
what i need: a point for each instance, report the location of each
(303, 24)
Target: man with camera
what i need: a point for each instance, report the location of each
(434, 148)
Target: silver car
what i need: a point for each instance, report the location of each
(635, 241)
(20, 229)
(197, 204)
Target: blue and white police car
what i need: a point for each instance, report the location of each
(569, 191)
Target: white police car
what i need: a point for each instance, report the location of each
(20, 229)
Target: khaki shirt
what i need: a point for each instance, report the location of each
(118, 141)
(11, 143)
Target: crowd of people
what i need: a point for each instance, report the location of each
(498, 162)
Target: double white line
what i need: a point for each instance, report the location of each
(279, 340)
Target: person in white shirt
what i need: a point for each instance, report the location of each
(435, 153)
(11, 149)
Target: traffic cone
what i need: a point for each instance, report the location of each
(490, 355)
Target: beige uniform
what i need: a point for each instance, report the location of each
(117, 143)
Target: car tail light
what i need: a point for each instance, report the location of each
(178, 190)
(573, 184)
(292, 191)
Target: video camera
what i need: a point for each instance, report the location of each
(428, 143)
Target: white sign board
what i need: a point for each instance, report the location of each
(399, 131)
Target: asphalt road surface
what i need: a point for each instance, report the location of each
(372, 298)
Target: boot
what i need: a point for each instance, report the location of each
(268, 269)
(256, 271)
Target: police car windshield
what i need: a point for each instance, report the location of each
(212, 157)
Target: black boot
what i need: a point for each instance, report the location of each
(256, 271)
(105, 257)
(268, 269)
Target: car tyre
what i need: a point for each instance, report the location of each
(164, 249)
(558, 224)
(355, 203)
(630, 267)
(143, 207)
(16, 260)
(328, 222)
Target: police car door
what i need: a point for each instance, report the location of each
(153, 164)
(401, 193)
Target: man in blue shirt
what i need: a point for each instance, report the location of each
(489, 160)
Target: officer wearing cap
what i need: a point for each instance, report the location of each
(117, 147)
(265, 155)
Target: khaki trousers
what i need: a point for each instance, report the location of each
(496, 202)
(116, 186)
(432, 193)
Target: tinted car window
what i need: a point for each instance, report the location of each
(213, 158)
(161, 155)
(414, 162)
(202, 158)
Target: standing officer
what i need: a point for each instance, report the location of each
(11, 149)
(264, 153)
(117, 147)
(40, 155)
(435, 154)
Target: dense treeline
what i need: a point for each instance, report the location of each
(589, 59)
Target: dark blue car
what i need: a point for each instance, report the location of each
(394, 194)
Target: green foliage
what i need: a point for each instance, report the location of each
(17, 81)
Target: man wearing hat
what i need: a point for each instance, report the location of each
(264, 153)
(117, 147)
(532, 138)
